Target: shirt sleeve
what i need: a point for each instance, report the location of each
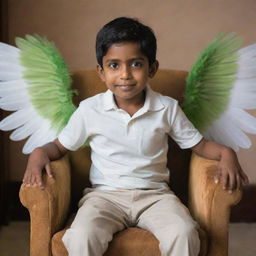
(183, 131)
(74, 134)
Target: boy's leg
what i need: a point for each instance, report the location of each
(94, 225)
(170, 221)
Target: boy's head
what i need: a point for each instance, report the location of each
(126, 54)
(126, 30)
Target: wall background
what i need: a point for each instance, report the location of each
(183, 29)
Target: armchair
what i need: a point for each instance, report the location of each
(191, 179)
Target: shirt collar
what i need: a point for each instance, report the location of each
(152, 101)
(108, 101)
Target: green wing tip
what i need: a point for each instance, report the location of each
(210, 80)
(48, 78)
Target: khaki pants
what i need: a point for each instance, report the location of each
(103, 213)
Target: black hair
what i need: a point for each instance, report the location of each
(125, 29)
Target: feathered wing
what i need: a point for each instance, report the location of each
(35, 83)
(220, 87)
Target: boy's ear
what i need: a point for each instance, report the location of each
(101, 73)
(153, 69)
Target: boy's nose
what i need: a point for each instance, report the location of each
(126, 73)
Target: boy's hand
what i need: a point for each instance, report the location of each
(38, 160)
(230, 174)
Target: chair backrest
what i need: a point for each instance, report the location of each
(167, 82)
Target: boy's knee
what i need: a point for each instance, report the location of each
(79, 235)
(182, 232)
(187, 231)
(85, 241)
(181, 240)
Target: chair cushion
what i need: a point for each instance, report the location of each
(141, 243)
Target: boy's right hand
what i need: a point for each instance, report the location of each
(37, 161)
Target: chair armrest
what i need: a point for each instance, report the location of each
(210, 205)
(48, 207)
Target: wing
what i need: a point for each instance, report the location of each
(35, 83)
(220, 87)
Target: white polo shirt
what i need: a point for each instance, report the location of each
(129, 152)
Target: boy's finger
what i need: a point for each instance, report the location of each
(33, 180)
(25, 178)
(224, 181)
(28, 180)
(48, 170)
(232, 183)
(238, 181)
(39, 181)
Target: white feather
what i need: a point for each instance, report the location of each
(9, 49)
(248, 51)
(247, 62)
(9, 75)
(236, 134)
(225, 132)
(230, 128)
(216, 134)
(11, 67)
(243, 94)
(17, 119)
(9, 87)
(14, 102)
(11, 59)
(14, 95)
(39, 138)
(30, 127)
(7, 93)
(246, 72)
(247, 85)
(243, 120)
(243, 100)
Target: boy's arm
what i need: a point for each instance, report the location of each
(40, 159)
(230, 173)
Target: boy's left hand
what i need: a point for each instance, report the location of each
(230, 174)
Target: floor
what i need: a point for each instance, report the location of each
(14, 239)
(242, 239)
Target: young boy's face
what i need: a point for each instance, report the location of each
(126, 71)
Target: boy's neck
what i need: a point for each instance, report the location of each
(131, 106)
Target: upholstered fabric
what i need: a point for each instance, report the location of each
(209, 204)
(132, 241)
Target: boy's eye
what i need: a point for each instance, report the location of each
(136, 64)
(113, 65)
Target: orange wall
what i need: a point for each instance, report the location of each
(183, 29)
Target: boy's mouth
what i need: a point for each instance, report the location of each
(126, 87)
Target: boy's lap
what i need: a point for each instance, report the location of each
(141, 208)
(168, 215)
(96, 210)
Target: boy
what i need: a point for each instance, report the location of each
(127, 128)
